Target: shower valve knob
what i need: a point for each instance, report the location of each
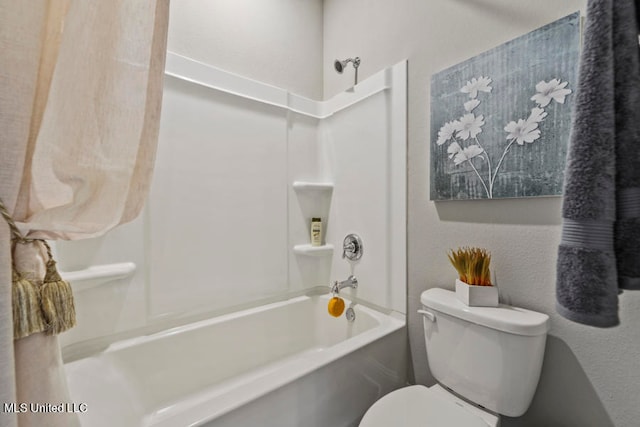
(352, 247)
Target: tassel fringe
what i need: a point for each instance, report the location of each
(47, 308)
(27, 313)
(50, 307)
(57, 301)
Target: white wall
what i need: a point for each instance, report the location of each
(222, 217)
(591, 377)
(114, 306)
(218, 202)
(355, 143)
(275, 41)
(359, 145)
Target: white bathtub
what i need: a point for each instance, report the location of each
(283, 364)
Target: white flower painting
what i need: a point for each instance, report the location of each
(463, 133)
(503, 133)
(526, 130)
(475, 85)
(554, 89)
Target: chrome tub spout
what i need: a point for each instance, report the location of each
(351, 282)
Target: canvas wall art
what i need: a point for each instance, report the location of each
(500, 121)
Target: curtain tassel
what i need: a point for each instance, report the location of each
(27, 314)
(57, 301)
(45, 308)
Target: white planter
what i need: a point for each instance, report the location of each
(477, 296)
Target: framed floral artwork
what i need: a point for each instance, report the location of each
(500, 121)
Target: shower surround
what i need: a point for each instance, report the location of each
(242, 167)
(233, 161)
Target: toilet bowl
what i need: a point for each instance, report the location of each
(474, 353)
(419, 406)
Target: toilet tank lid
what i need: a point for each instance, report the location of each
(504, 318)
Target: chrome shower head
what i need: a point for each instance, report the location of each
(339, 65)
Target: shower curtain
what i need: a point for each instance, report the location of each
(80, 97)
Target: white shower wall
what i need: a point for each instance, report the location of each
(223, 216)
(218, 203)
(364, 154)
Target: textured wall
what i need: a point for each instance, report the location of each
(591, 377)
(278, 42)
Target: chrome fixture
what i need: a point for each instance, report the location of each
(351, 282)
(350, 314)
(352, 247)
(339, 65)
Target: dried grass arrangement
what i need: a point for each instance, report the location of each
(472, 265)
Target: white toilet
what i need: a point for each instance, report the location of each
(487, 361)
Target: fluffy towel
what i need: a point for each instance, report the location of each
(599, 253)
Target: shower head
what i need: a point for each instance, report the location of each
(339, 65)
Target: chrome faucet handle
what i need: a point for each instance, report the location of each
(352, 247)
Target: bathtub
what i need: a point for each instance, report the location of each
(283, 364)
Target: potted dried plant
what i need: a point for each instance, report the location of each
(473, 287)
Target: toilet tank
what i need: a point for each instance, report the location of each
(492, 356)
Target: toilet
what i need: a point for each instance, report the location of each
(486, 360)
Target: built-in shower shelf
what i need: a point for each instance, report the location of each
(97, 275)
(308, 250)
(310, 186)
(314, 198)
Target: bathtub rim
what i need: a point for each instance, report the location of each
(200, 412)
(91, 347)
(133, 341)
(232, 394)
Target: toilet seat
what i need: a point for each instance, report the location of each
(418, 406)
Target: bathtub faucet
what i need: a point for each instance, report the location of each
(351, 282)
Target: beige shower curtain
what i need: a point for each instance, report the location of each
(80, 96)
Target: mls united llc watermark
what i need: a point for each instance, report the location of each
(44, 407)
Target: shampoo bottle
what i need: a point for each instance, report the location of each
(316, 232)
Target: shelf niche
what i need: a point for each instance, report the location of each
(314, 200)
